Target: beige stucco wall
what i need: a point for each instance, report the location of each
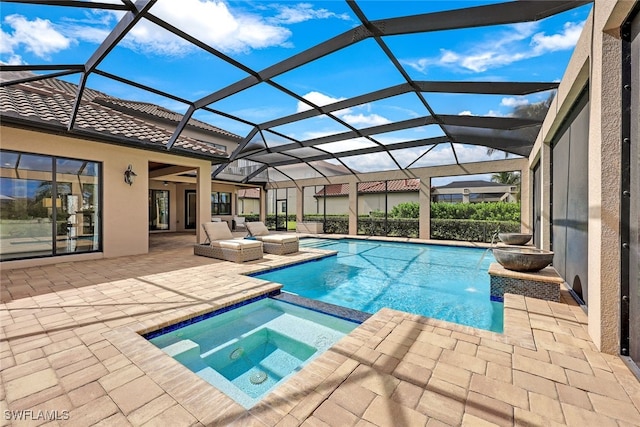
(124, 207)
(596, 61)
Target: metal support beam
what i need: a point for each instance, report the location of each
(121, 29)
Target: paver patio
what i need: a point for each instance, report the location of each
(70, 343)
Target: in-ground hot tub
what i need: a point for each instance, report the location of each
(245, 351)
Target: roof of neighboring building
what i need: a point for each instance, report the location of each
(249, 193)
(50, 102)
(397, 186)
(472, 184)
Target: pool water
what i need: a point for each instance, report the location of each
(261, 359)
(247, 351)
(443, 282)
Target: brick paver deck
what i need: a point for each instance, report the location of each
(70, 349)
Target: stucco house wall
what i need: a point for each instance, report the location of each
(596, 62)
(124, 208)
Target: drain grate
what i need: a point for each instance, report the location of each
(258, 377)
(237, 353)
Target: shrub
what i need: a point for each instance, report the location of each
(487, 211)
(471, 230)
(406, 210)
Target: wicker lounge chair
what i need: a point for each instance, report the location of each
(220, 244)
(239, 224)
(277, 244)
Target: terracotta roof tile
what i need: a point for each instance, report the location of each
(401, 185)
(51, 101)
(249, 193)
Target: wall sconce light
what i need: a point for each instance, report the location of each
(165, 183)
(129, 175)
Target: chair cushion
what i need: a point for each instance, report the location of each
(257, 228)
(278, 238)
(217, 231)
(237, 244)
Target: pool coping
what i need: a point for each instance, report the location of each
(212, 406)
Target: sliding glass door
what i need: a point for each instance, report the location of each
(48, 205)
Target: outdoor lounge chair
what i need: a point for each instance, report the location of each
(277, 244)
(239, 224)
(220, 244)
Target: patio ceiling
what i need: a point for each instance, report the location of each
(269, 147)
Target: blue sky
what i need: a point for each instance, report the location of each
(262, 33)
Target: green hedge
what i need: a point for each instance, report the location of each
(335, 224)
(479, 223)
(487, 211)
(470, 230)
(405, 227)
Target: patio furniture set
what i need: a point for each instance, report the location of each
(221, 244)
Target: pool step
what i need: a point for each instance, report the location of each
(183, 349)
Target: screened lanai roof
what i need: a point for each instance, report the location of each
(312, 89)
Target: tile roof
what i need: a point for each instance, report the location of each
(396, 186)
(471, 184)
(50, 101)
(249, 193)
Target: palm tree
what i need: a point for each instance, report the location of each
(536, 111)
(508, 178)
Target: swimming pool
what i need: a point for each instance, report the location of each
(443, 282)
(247, 350)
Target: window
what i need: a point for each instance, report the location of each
(49, 206)
(220, 203)
(158, 210)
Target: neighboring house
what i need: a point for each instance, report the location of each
(371, 195)
(65, 192)
(248, 201)
(474, 192)
(281, 201)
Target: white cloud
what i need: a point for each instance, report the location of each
(319, 99)
(13, 60)
(303, 12)
(214, 22)
(347, 114)
(465, 113)
(567, 39)
(514, 102)
(211, 21)
(38, 36)
(367, 120)
(518, 43)
(483, 61)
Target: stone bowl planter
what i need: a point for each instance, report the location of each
(523, 259)
(514, 238)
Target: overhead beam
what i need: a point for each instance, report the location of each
(499, 123)
(489, 88)
(36, 78)
(367, 150)
(486, 88)
(169, 170)
(126, 23)
(479, 16)
(73, 3)
(514, 146)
